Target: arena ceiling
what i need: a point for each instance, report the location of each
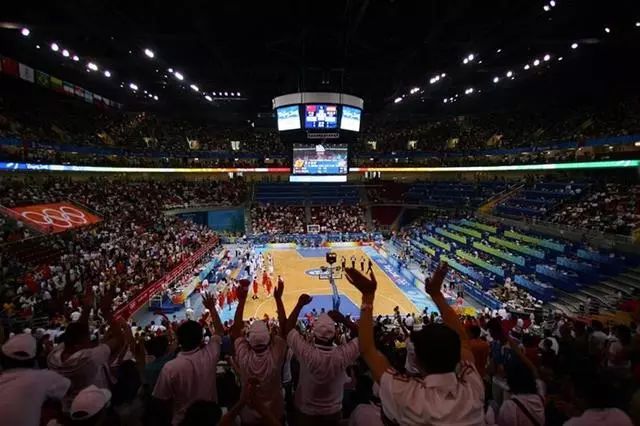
(381, 50)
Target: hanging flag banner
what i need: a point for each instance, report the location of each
(55, 217)
(26, 73)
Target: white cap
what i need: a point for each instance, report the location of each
(89, 402)
(75, 316)
(258, 334)
(20, 347)
(324, 328)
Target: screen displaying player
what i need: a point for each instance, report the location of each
(321, 159)
(288, 117)
(320, 116)
(350, 118)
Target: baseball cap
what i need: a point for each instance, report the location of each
(20, 347)
(324, 328)
(258, 334)
(89, 402)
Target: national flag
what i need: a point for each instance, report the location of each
(42, 79)
(79, 91)
(88, 96)
(26, 73)
(56, 84)
(10, 66)
(69, 88)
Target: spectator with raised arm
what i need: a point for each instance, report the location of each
(191, 376)
(259, 357)
(451, 392)
(323, 364)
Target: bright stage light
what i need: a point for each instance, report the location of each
(496, 79)
(194, 88)
(574, 45)
(65, 53)
(55, 47)
(536, 62)
(75, 58)
(107, 73)
(209, 98)
(25, 32)
(92, 66)
(133, 86)
(149, 53)
(547, 57)
(509, 73)
(178, 76)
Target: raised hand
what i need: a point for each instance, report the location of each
(243, 289)
(277, 292)
(209, 301)
(433, 286)
(337, 316)
(304, 299)
(361, 282)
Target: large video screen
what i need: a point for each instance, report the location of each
(320, 159)
(350, 118)
(320, 116)
(288, 117)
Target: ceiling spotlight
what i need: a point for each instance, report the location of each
(92, 66)
(209, 98)
(170, 70)
(75, 58)
(150, 95)
(238, 94)
(226, 94)
(445, 100)
(546, 8)
(470, 57)
(25, 32)
(432, 80)
(526, 67)
(547, 57)
(637, 24)
(607, 30)
(178, 76)
(509, 73)
(55, 47)
(499, 50)
(37, 46)
(496, 79)
(149, 53)
(155, 97)
(232, 94)
(443, 75)
(194, 87)
(465, 61)
(468, 91)
(536, 62)
(552, 3)
(133, 86)
(65, 53)
(574, 45)
(412, 91)
(560, 58)
(107, 73)
(397, 100)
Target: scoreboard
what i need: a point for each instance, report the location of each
(320, 159)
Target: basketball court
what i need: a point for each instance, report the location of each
(301, 270)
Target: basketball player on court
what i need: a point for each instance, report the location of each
(353, 261)
(370, 268)
(362, 263)
(343, 262)
(255, 288)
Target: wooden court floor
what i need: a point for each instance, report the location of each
(292, 266)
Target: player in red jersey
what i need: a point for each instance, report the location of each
(221, 299)
(229, 298)
(269, 286)
(255, 289)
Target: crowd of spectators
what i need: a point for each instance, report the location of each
(339, 218)
(611, 208)
(277, 219)
(133, 246)
(322, 369)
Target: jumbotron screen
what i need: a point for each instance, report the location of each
(350, 118)
(320, 116)
(288, 118)
(320, 159)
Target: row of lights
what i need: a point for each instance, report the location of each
(510, 74)
(90, 65)
(93, 67)
(547, 7)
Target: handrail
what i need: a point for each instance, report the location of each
(141, 298)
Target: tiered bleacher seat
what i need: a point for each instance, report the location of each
(539, 199)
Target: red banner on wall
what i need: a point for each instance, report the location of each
(56, 217)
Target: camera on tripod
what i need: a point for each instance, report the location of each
(331, 257)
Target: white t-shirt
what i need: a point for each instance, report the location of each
(265, 366)
(436, 399)
(84, 368)
(608, 417)
(512, 415)
(190, 377)
(24, 391)
(322, 374)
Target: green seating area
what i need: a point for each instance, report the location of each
(452, 235)
(481, 226)
(520, 248)
(537, 241)
(468, 231)
(426, 249)
(481, 263)
(438, 243)
(518, 260)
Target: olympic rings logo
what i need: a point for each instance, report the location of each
(62, 217)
